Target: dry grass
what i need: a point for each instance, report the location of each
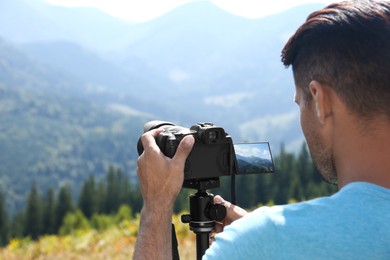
(114, 243)
(59, 248)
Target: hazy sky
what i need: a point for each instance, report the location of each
(143, 10)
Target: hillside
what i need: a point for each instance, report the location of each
(77, 85)
(221, 68)
(49, 136)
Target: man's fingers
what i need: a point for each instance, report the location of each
(233, 212)
(148, 139)
(219, 200)
(218, 227)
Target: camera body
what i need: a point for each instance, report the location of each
(212, 155)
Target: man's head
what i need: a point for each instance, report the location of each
(346, 47)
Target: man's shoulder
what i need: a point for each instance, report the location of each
(339, 226)
(350, 200)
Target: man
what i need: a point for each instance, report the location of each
(341, 63)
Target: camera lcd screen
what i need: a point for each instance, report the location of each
(253, 158)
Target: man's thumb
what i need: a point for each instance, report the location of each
(219, 200)
(233, 212)
(184, 148)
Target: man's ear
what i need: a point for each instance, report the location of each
(321, 100)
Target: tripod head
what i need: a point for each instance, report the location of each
(203, 213)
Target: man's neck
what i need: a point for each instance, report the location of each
(363, 154)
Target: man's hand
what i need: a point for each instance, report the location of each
(233, 213)
(160, 179)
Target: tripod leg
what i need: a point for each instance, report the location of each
(202, 243)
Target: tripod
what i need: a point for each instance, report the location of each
(203, 213)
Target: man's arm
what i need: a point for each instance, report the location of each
(154, 239)
(160, 179)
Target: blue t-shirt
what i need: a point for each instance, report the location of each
(354, 223)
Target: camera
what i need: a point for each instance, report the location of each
(212, 155)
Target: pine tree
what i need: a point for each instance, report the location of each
(126, 191)
(4, 222)
(117, 190)
(101, 197)
(247, 195)
(49, 213)
(17, 224)
(88, 199)
(123, 185)
(136, 200)
(303, 168)
(64, 205)
(284, 169)
(112, 192)
(33, 215)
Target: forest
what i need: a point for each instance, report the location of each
(109, 200)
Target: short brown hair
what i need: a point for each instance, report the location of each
(347, 46)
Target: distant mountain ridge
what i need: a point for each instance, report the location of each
(77, 85)
(224, 67)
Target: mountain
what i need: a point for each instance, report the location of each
(220, 68)
(225, 69)
(51, 134)
(77, 85)
(103, 76)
